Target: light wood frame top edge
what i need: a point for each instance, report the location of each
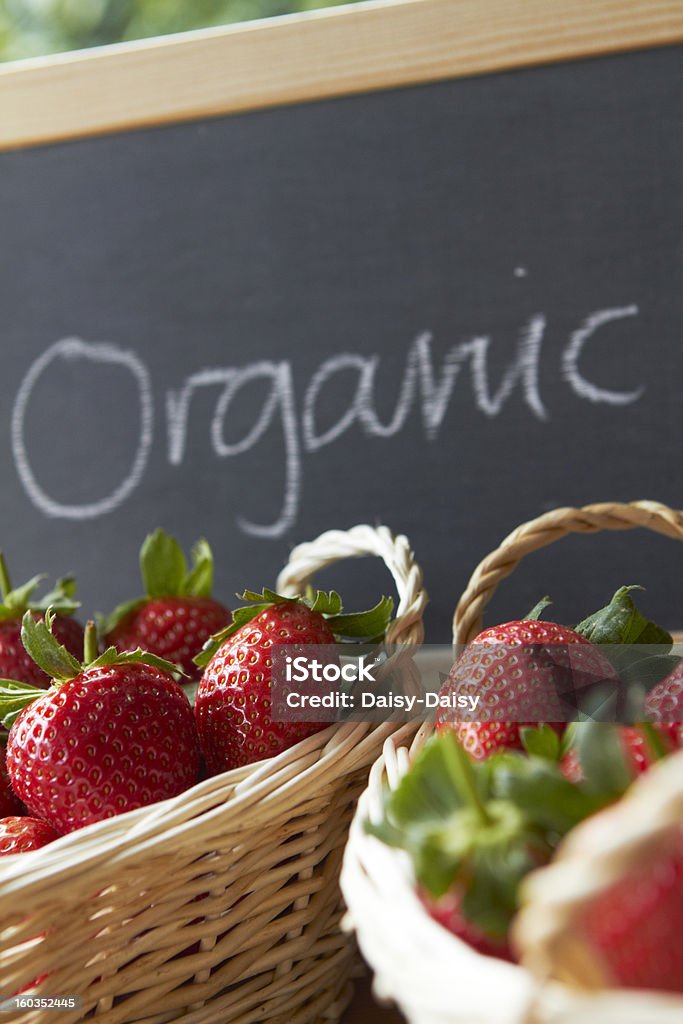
(334, 52)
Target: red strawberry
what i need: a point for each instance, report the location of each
(609, 910)
(636, 748)
(635, 924)
(19, 835)
(15, 663)
(177, 615)
(109, 736)
(233, 704)
(638, 744)
(9, 803)
(519, 682)
(664, 702)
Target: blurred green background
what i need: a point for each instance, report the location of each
(29, 28)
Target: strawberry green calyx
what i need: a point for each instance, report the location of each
(14, 697)
(369, 626)
(637, 647)
(40, 642)
(16, 601)
(620, 622)
(165, 573)
(480, 827)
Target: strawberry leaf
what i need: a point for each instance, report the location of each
(199, 581)
(361, 625)
(16, 602)
(240, 617)
(647, 672)
(14, 697)
(541, 741)
(163, 565)
(326, 604)
(61, 598)
(620, 622)
(603, 759)
(491, 902)
(653, 738)
(45, 649)
(266, 596)
(107, 623)
(568, 739)
(113, 657)
(537, 787)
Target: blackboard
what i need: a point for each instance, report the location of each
(447, 307)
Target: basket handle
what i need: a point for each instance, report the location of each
(546, 529)
(395, 551)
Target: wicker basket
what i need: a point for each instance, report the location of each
(221, 904)
(434, 977)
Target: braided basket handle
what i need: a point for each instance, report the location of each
(395, 551)
(546, 529)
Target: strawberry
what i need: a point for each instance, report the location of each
(475, 830)
(177, 615)
(634, 926)
(664, 702)
(609, 910)
(639, 746)
(15, 663)
(525, 672)
(233, 704)
(9, 804)
(611, 752)
(111, 735)
(644, 746)
(19, 835)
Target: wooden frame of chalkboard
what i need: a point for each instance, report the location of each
(318, 55)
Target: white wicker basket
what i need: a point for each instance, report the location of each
(222, 904)
(434, 977)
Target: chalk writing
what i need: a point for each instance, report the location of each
(424, 388)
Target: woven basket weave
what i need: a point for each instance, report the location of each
(434, 977)
(221, 904)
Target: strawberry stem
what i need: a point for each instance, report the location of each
(538, 609)
(5, 585)
(460, 770)
(90, 645)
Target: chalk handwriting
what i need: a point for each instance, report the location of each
(424, 388)
(71, 349)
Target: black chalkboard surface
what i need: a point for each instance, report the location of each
(447, 307)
